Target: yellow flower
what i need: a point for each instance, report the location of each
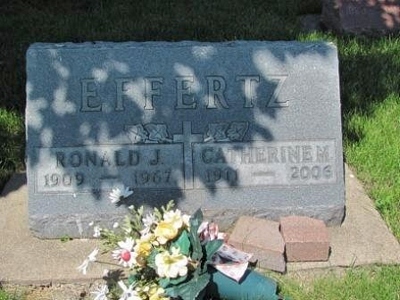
(171, 265)
(156, 293)
(143, 248)
(165, 231)
(174, 217)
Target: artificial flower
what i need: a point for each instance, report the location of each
(83, 267)
(165, 231)
(156, 292)
(143, 248)
(124, 254)
(208, 231)
(174, 217)
(97, 231)
(118, 194)
(148, 222)
(90, 258)
(171, 265)
(100, 293)
(127, 292)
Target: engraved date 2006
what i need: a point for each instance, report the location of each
(315, 172)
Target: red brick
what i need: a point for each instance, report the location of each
(262, 238)
(306, 239)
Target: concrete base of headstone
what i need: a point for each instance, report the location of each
(361, 16)
(261, 238)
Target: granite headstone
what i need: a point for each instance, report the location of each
(361, 16)
(244, 127)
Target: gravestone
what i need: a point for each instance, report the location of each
(234, 128)
(361, 16)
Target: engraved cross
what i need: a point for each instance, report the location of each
(187, 138)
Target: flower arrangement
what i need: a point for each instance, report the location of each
(169, 255)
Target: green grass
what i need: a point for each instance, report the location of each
(376, 156)
(371, 97)
(11, 295)
(368, 283)
(12, 148)
(370, 88)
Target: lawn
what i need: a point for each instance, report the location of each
(370, 89)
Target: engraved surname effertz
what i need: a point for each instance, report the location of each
(153, 87)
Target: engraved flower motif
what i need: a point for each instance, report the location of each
(216, 132)
(157, 132)
(136, 133)
(237, 130)
(119, 194)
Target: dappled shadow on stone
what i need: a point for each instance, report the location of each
(199, 123)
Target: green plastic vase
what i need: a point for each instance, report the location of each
(253, 286)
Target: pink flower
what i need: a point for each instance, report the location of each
(209, 231)
(124, 254)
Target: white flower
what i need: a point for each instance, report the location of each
(83, 267)
(97, 231)
(115, 225)
(174, 217)
(90, 258)
(128, 292)
(93, 254)
(124, 254)
(117, 194)
(100, 293)
(171, 265)
(148, 221)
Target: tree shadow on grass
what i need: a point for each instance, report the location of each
(369, 69)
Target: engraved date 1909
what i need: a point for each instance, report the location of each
(63, 179)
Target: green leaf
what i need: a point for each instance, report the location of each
(132, 278)
(189, 290)
(165, 282)
(183, 243)
(212, 247)
(195, 222)
(151, 259)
